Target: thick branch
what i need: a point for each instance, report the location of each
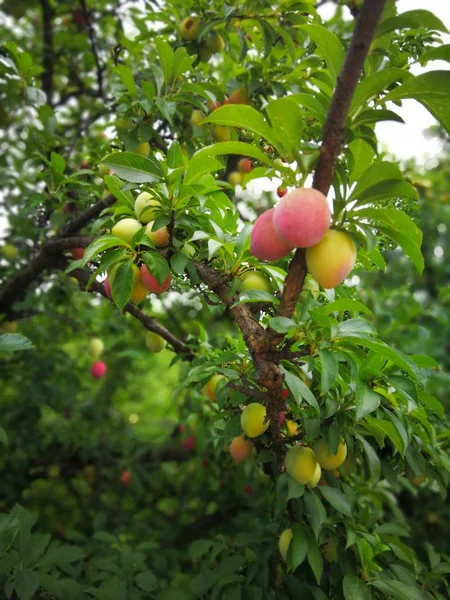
(47, 60)
(148, 322)
(74, 225)
(333, 135)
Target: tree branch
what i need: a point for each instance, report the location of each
(91, 33)
(47, 61)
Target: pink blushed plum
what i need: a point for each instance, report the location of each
(108, 288)
(98, 369)
(302, 217)
(265, 243)
(189, 443)
(151, 283)
(78, 253)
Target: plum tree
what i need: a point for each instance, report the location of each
(155, 342)
(9, 252)
(327, 461)
(151, 283)
(96, 347)
(302, 217)
(253, 420)
(125, 229)
(240, 448)
(301, 463)
(253, 280)
(284, 542)
(211, 385)
(146, 207)
(160, 237)
(264, 242)
(98, 369)
(190, 28)
(332, 259)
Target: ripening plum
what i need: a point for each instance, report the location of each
(302, 217)
(190, 28)
(315, 478)
(284, 542)
(155, 342)
(332, 259)
(98, 369)
(327, 461)
(253, 420)
(240, 449)
(139, 291)
(239, 96)
(292, 427)
(160, 237)
(143, 149)
(221, 133)
(253, 280)
(245, 165)
(78, 253)
(125, 478)
(264, 242)
(143, 207)
(96, 347)
(126, 229)
(235, 178)
(215, 42)
(211, 385)
(197, 117)
(151, 283)
(300, 463)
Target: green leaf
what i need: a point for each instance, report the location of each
(115, 185)
(178, 263)
(26, 583)
(398, 590)
(57, 163)
(122, 284)
(315, 509)
(282, 324)
(244, 117)
(100, 245)
(286, 119)
(362, 154)
(61, 555)
(295, 490)
(3, 437)
(14, 342)
(133, 167)
(200, 165)
(329, 370)
(439, 53)
(127, 78)
(328, 45)
(337, 499)
(239, 148)
(157, 265)
(366, 400)
(9, 528)
(166, 58)
(376, 116)
(412, 19)
(345, 304)
(371, 86)
(373, 462)
(299, 389)
(298, 547)
(146, 581)
(377, 172)
(390, 430)
(431, 90)
(355, 589)
(314, 558)
(174, 156)
(431, 402)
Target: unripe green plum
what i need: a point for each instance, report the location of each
(160, 237)
(205, 54)
(188, 250)
(126, 229)
(190, 28)
(221, 133)
(332, 259)
(215, 43)
(315, 478)
(197, 117)
(265, 243)
(143, 149)
(302, 217)
(124, 124)
(239, 96)
(253, 420)
(143, 207)
(96, 347)
(211, 385)
(155, 342)
(235, 178)
(284, 542)
(103, 170)
(292, 427)
(255, 281)
(301, 464)
(327, 461)
(310, 285)
(240, 449)
(9, 251)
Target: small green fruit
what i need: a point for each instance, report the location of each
(154, 342)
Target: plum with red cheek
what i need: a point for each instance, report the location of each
(332, 259)
(302, 218)
(78, 253)
(189, 443)
(240, 449)
(98, 369)
(264, 242)
(151, 283)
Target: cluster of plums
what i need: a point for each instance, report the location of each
(302, 219)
